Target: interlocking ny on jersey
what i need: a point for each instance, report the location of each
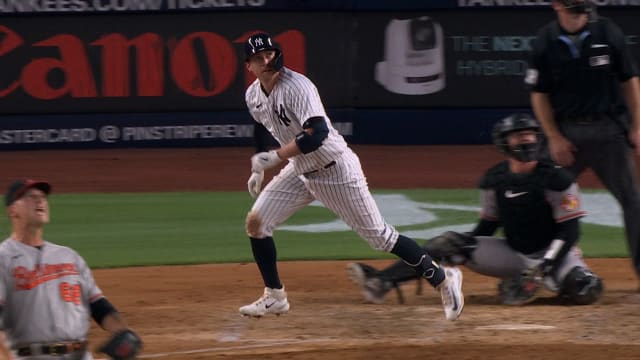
(282, 115)
(293, 100)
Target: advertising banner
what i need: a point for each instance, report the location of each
(44, 7)
(461, 59)
(406, 59)
(193, 129)
(136, 63)
(58, 69)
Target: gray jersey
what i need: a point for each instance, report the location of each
(45, 293)
(292, 101)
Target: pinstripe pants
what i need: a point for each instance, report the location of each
(341, 188)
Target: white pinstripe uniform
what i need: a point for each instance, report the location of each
(332, 174)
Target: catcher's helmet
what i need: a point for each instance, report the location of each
(261, 42)
(512, 123)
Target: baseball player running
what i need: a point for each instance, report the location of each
(537, 204)
(47, 292)
(320, 166)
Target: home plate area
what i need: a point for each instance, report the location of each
(184, 312)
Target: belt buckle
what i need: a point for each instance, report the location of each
(53, 349)
(57, 349)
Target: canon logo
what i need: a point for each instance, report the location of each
(199, 64)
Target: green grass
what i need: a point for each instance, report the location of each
(111, 230)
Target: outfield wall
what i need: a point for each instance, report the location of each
(139, 73)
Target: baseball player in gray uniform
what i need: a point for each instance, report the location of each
(47, 292)
(320, 167)
(537, 205)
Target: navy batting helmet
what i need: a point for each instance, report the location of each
(512, 123)
(261, 42)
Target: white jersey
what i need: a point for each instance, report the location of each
(331, 174)
(45, 293)
(292, 101)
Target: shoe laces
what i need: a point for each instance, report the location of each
(263, 299)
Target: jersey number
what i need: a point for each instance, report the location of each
(70, 292)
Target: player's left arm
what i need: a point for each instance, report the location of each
(102, 311)
(567, 212)
(307, 107)
(315, 130)
(123, 342)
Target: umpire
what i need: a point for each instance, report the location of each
(581, 75)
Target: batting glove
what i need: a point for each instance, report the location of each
(264, 161)
(255, 183)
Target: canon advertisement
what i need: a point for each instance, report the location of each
(172, 64)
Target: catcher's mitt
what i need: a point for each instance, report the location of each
(123, 345)
(521, 290)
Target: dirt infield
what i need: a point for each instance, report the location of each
(190, 312)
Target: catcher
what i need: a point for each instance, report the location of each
(537, 205)
(47, 292)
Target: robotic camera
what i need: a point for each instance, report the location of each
(414, 57)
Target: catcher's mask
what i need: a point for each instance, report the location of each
(261, 42)
(524, 152)
(578, 6)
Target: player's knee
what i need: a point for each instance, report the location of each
(581, 286)
(253, 224)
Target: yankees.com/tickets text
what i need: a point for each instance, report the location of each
(47, 6)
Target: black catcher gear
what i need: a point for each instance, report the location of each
(375, 284)
(451, 248)
(581, 286)
(512, 123)
(520, 290)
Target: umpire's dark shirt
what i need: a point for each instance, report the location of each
(581, 72)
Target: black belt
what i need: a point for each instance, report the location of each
(324, 167)
(61, 348)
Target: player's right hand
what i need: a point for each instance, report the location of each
(264, 161)
(255, 183)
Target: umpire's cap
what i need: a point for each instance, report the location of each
(19, 187)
